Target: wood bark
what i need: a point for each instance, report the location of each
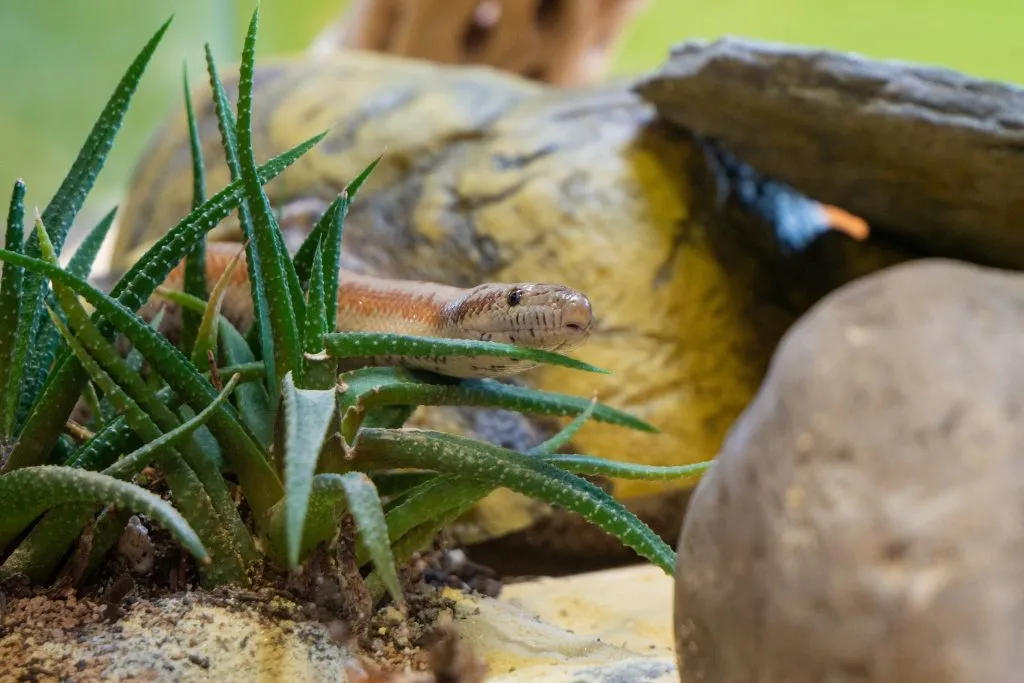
(563, 42)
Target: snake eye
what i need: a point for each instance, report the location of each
(514, 297)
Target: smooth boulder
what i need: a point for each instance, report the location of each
(865, 519)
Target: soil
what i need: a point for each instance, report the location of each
(89, 633)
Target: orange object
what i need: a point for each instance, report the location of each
(845, 222)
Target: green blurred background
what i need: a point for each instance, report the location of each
(61, 58)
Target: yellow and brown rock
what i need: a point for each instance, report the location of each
(490, 177)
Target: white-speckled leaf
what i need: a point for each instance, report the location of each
(564, 436)
(529, 475)
(365, 506)
(30, 491)
(366, 345)
(307, 416)
(285, 308)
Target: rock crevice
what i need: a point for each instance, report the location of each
(924, 154)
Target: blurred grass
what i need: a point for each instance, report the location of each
(61, 59)
(980, 37)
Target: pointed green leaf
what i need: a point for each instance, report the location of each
(60, 214)
(61, 211)
(229, 140)
(265, 244)
(364, 504)
(30, 491)
(251, 398)
(319, 371)
(316, 312)
(373, 348)
(260, 483)
(84, 257)
(47, 339)
(304, 256)
(332, 262)
(307, 417)
(228, 129)
(63, 385)
(524, 474)
(589, 465)
(433, 498)
(225, 115)
(352, 189)
(229, 552)
(378, 387)
(44, 351)
(137, 459)
(195, 262)
(195, 147)
(50, 539)
(303, 259)
(564, 436)
(92, 402)
(11, 282)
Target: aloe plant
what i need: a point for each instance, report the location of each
(335, 443)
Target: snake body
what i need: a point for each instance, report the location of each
(542, 316)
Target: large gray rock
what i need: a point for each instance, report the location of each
(865, 519)
(925, 153)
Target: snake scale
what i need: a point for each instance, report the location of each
(541, 316)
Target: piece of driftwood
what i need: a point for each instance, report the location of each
(924, 154)
(564, 42)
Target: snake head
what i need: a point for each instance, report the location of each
(535, 315)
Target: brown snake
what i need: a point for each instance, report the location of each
(534, 315)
